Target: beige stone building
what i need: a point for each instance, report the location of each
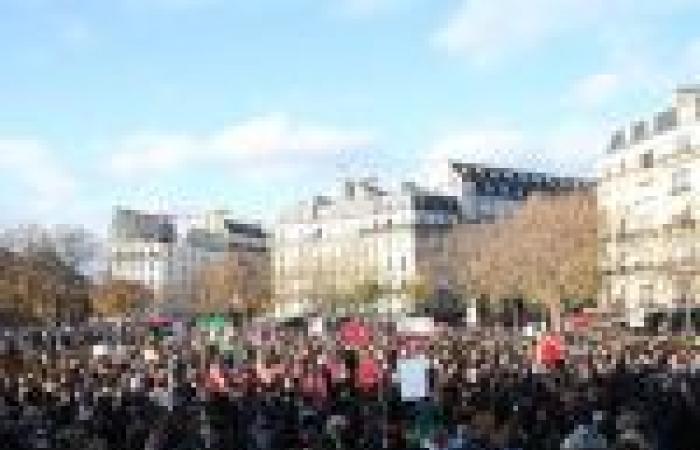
(365, 242)
(393, 244)
(649, 197)
(167, 253)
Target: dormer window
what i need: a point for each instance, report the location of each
(647, 159)
(681, 181)
(639, 131)
(666, 120)
(617, 141)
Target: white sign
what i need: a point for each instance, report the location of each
(416, 325)
(150, 355)
(412, 374)
(471, 316)
(316, 326)
(100, 350)
(636, 317)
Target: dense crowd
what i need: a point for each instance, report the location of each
(374, 389)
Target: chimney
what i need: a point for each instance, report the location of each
(686, 100)
(349, 189)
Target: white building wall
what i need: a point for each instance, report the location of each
(649, 245)
(352, 242)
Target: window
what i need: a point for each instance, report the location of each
(622, 227)
(684, 219)
(666, 120)
(647, 159)
(617, 140)
(683, 143)
(646, 296)
(623, 261)
(639, 131)
(646, 182)
(680, 181)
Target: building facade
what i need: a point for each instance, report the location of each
(216, 241)
(334, 249)
(649, 197)
(142, 246)
(167, 253)
(364, 245)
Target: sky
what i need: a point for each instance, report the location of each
(183, 105)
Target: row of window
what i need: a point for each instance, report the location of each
(648, 159)
(423, 219)
(639, 131)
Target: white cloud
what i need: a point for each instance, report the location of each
(576, 146)
(277, 134)
(145, 152)
(272, 139)
(30, 165)
(485, 31)
(636, 74)
(596, 89)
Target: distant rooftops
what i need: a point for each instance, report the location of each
(530, 181)
(247, 229)
(367, 187)
(685, 108)
(688, 89)
(489, 181)
(135, 225)
(129, 224)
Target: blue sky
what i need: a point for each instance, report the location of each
(251, 105)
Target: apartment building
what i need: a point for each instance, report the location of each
(649, 197)
(166, 253)
(328, 250)
(216, 238)
(364, 242)
(141, 249)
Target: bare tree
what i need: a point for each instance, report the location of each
(547, 251)
(39, 286)
(119, 298)
(74, 245)
(237, 283)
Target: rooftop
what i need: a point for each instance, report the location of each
(471, 172)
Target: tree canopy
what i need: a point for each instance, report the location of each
(39, 286)
(546, 251)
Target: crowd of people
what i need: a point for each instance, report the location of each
(358, 387)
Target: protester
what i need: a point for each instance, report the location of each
(456, 389)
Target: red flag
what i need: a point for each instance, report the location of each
(215, 379)
(354, 333)
(550, 350)
(368, 374)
